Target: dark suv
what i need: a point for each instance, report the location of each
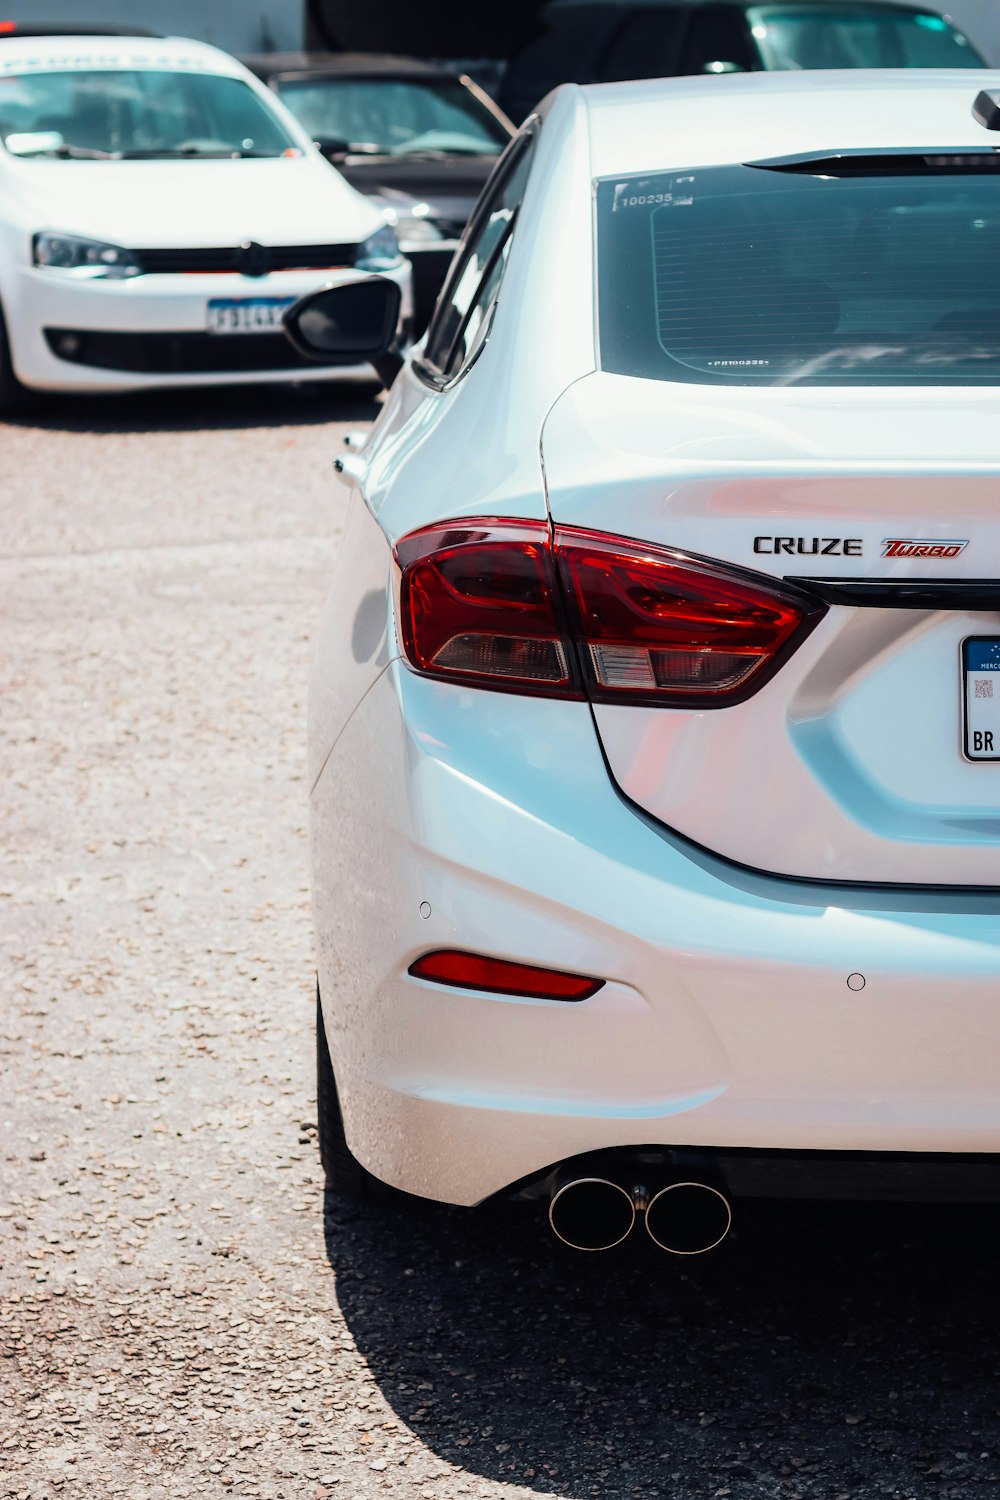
(590, 41)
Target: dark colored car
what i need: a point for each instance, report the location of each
(418, 140)
(589, 41)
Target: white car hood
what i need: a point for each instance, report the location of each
(164, 204)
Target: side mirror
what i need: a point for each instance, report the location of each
(352, 323)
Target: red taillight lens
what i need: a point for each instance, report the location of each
(657, 625)
(494, 603)
(471, 971)
(479, 602)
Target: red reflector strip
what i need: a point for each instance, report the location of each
(471, 971)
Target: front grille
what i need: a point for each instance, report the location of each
(175, 353)
(234, 258)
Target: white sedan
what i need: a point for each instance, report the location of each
(159, 210)
(655, 731)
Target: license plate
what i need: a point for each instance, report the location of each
(981, 684)
(246, 314)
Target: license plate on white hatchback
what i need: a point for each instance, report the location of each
(246, 314)
(981, 684)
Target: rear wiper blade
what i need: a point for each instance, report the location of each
(902, 163)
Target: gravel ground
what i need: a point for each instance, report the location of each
(182, 1313)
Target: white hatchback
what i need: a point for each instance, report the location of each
(655, 733)
(159, 210)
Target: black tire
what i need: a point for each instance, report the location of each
(344, 1173)
(12, 392)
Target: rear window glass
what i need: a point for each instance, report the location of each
(744, 275)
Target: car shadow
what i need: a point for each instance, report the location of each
(195, 410)
(828, 1350)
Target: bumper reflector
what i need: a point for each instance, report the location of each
(472, 971)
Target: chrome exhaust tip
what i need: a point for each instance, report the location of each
(688, 1218)
(591, 1213)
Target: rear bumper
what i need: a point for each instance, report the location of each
(874, 1176)
(488, 821)
(150, 331)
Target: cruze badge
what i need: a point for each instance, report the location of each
(809, 546)
(895, 546)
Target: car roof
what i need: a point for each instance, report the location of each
(754, 116)
(343, 64)
(59, 53)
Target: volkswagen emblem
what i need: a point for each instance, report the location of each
(252, 259)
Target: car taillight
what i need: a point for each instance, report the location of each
(475, 971)
(509, 605)
(661, 626)
(479, 602)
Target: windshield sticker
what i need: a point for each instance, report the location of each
(631, 195)
(89, 62)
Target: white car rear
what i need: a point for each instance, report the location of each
(159, 210)
(662, 665)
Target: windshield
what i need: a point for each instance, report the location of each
(743, 275)
(120, 113)
(394, 116)
(844, 36)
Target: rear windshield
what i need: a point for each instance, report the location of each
(746, 276)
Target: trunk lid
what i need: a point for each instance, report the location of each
(849, 764)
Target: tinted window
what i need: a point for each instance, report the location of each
(836, 36)
(139, 113)
(462, 317)
(715, 36)
(644, 46)
(398, 117)
(741, 275)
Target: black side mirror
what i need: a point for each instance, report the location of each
(349, 324)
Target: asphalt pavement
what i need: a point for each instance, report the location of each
(182, 1311)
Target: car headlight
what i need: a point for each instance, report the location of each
(89, 258)
(380, 251)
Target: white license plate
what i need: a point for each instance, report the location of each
(246, 314)
(981, 683)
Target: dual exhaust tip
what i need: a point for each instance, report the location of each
(683, 1218)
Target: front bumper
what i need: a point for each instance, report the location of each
(448, 817)
(150, 331)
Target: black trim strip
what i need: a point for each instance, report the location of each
(895, 162)
(905, 593)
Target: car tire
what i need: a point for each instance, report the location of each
(344, 1173)
(12, 392)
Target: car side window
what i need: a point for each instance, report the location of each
(462, 317)
(645, 46)
(716, 35)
